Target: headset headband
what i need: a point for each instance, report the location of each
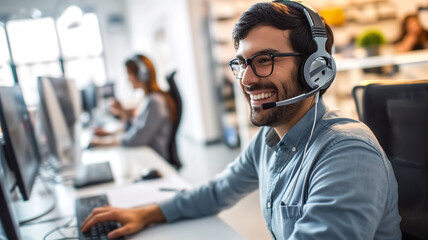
(319, 68)
(314, 20)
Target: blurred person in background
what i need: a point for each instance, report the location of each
(412, 36)
(151, 123)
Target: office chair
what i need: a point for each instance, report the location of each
(172, 149)
(397, 113)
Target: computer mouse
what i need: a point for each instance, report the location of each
(150, 173)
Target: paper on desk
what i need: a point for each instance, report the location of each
(145, 192)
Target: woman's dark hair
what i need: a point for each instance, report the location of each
(282, 17)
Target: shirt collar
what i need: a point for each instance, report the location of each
(296, 136)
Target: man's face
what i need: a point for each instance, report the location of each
(281, 84)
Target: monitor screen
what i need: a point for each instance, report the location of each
(45, 120)
(8, 219)
(19, 141)
(106, 90)
(54, 123)
(89, 98)
(65, 99)
(41, 130)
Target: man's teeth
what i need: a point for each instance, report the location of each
(261, 96)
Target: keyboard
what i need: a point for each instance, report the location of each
(92, 174)
(84, 207)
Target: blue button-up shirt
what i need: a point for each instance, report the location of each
(343, 188)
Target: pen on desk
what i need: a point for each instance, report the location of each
(169, 189)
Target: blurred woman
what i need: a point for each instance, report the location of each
(413, 36)
(149, 124)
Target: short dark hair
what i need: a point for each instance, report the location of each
(282, 17)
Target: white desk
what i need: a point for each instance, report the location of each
(126, 164)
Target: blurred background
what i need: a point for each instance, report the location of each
(88, 41)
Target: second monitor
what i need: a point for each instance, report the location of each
(20, 143)
(60, 108)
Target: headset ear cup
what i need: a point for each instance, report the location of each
(302, 79)
(143, 74)
(321, 71)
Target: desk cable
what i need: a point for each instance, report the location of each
(58, 229)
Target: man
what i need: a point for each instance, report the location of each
(320, 176)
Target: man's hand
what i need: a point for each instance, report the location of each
(132, 220)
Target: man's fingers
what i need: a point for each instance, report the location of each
(124, 230)
(95, 211)
(97, 218)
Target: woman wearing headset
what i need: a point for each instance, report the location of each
(150, 123)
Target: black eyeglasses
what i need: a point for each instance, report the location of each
(261, 64)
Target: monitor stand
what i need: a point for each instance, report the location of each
(41, 202)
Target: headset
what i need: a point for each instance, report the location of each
(143, 72)
(318, 70)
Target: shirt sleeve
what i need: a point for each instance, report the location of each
(146, 125)
(349, 192)
(236, 181)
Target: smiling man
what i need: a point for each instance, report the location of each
(265, 45)
(320, 175)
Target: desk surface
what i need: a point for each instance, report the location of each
(126, 164)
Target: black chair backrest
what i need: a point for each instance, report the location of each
(173, 90)
(397, 113)
(357, 94)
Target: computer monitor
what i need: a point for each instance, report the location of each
(8, 219)
(41, 134)
(58, 134)
(19, 140)
(106, 90)
(68, 99)
(89, 98)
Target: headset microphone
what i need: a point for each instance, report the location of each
(291, 100)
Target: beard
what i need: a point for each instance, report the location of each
(277, 115)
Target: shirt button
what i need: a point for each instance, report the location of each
(268, 205)
(293, 149)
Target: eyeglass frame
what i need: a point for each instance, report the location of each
(249, 61)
